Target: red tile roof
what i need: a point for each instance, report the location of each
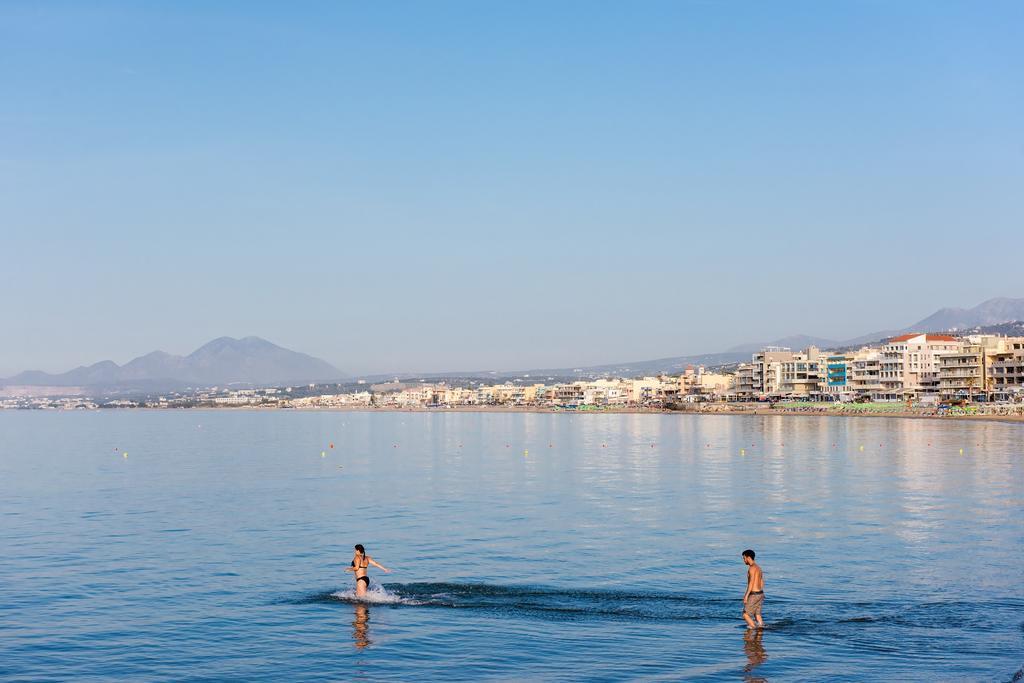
(928, 337)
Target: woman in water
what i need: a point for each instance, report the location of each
(360, 562)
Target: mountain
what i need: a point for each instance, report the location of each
(255, 361)
(995, 316)
(226, 360)
(987, 313)
(991, 312)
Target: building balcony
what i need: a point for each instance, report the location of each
(961, 373)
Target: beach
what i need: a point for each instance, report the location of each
(997, 413)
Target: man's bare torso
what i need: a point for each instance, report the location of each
(755, 578)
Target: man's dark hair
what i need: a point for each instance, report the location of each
(748, 553)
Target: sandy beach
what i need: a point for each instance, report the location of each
(709, 409)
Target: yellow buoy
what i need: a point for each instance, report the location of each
(323, 454)
(743, 451)
(125, 454)
(526, 452)
(862, 448)
(961, 451)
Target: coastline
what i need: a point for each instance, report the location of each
(714, 409)
(718, 410)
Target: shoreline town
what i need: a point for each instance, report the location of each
(911, 375)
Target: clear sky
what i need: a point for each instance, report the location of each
(441, 185)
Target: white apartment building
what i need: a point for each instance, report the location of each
(766, 379)
(801, 374)
(910, 365)
(866, 372)
(778, 371)
(645, 389)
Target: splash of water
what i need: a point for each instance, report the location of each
(376, 594)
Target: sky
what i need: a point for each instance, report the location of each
(413, 186)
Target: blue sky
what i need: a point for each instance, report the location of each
(432, 186)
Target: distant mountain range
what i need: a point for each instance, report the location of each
(257, 362)
(223, 361)
(991, 312)
(995, 316)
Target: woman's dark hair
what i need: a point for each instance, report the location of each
(746, 553)
(360, 548)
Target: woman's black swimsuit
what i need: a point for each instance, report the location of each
(361, 578)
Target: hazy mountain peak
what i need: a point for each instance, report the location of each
(154, 354)
(221, 344)
(991, 312)
(225, 360)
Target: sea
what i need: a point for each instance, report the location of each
(212, 546)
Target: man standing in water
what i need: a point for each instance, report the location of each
(754, 597)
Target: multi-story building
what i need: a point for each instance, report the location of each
(605, 392)
(644, 390)
(485, 395)
(513, 394)
(1006, 370)
(837, 378)
(801, 376)
(910, 365)
(743, 382)
(972, 371)
(569, 395)
(962, 374)
(767, 370)
(778, 371)
(458, 396)
(547, 395)
(864, 373)
(711, 384)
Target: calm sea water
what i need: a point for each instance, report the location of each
(597, 547)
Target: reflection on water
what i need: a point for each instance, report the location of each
(361, 626)
(756, 654)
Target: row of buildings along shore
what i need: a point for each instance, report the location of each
(920, 368)
(912, 368)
